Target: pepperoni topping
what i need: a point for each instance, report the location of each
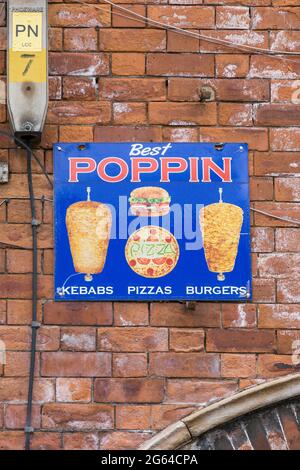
(150, 271)
(159, 261)
(136, 238)
(143, 261)
(132, 262)
(168, 239)
(153, 231)
(169, 261)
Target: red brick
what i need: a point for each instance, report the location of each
(275, 18)
(73, 390)
(288, 342)
(232, 66)
(80, 40)
(130, 365)
(132, 339)
(276, 114)
(287, 239)
(129, 390)
(19, 286)
(20, 212)
(129, 113)
(45, 441)
(11, 440)
(186, 340)
(15, 416)
(231, 114)
(261, 189)
(76, 133)
(179, 43)
(288, 290)
(17, 364)
(274, 164)
(176, 314)
(2, 261)
(232, 17)
(78, 313)
(256, 39)
(127, 134)
(77, 417)
(55, 39)
(286, 210)
(2, 312)
(262, 239)
(79, 364)
(81, 441)
(240, 340)
(78, 15)
(131, 21)
(284, 91)
(122, 440)
(14, 390)
(76, 88)
(20, 261)
(129, 314)
(133, 89)
(128, 64)
(78, 339)
(89, 112)
(287, 189)
(48, 262)
(273, 67)
(163, 415)
(74, 63)
(184, 365)
(263, 290)
(181, 114)
(133, 417)
(275, 365)
(238, 365)
(238, 315)
(256, 138)
(17, 187)
(133, 40)
(279, 265)
(188, 65)
(199, 392)
(19, 312)
(180, 134)
(18, 164)
(15, 337)
(183, 16)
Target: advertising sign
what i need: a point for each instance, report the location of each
(152, 221)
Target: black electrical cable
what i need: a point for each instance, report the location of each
(34, 324)
(28, 149)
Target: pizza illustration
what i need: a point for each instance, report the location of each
(152, 251)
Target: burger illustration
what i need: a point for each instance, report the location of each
(149, 201)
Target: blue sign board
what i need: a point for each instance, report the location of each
(152, 221)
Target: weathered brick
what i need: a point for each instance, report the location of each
(163, 415)
(288, 290)
(176, 314)
(76, 133)
(132, 339)
(179, 43)
(186, 340)
(75, 112)
(11, 440)
(63, 15)
(19, 312)
(129, 390)
(238, 315)
(76, 88)
(131, 63)
(276, 114)
(73, 390)
(279, 265)
(80, 40)
(275, 18)
(263, 290)
(286, 210)
(184, 365)
(78, 313)
(261, 189)
(129, 314)
(199, 392)
(122, 440)
(79, 364)
(17, 364)
(287, 239)
(231, 114)
(232, 17)
(238, 365)
(275, 365)
(81, 441)
(133, 417)
(262, 239)
(129, 113)
(77, 417)
(127, 134)
(130, 365)
(15, 416)
(183, 16)
(131, 21)
(182, 114)
(287, 189)
(257, 138)
(133, 40)
(78, 339)
(288, 342)
(82, 64)
(240, 340)
(45, 441)
(186, 65)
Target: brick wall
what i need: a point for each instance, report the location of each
(108, 376)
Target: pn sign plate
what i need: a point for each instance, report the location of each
(152, 221)
(27, 31)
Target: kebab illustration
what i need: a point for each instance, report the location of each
(221, 225)
(88, 225)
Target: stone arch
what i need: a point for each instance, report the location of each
(223, 425)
